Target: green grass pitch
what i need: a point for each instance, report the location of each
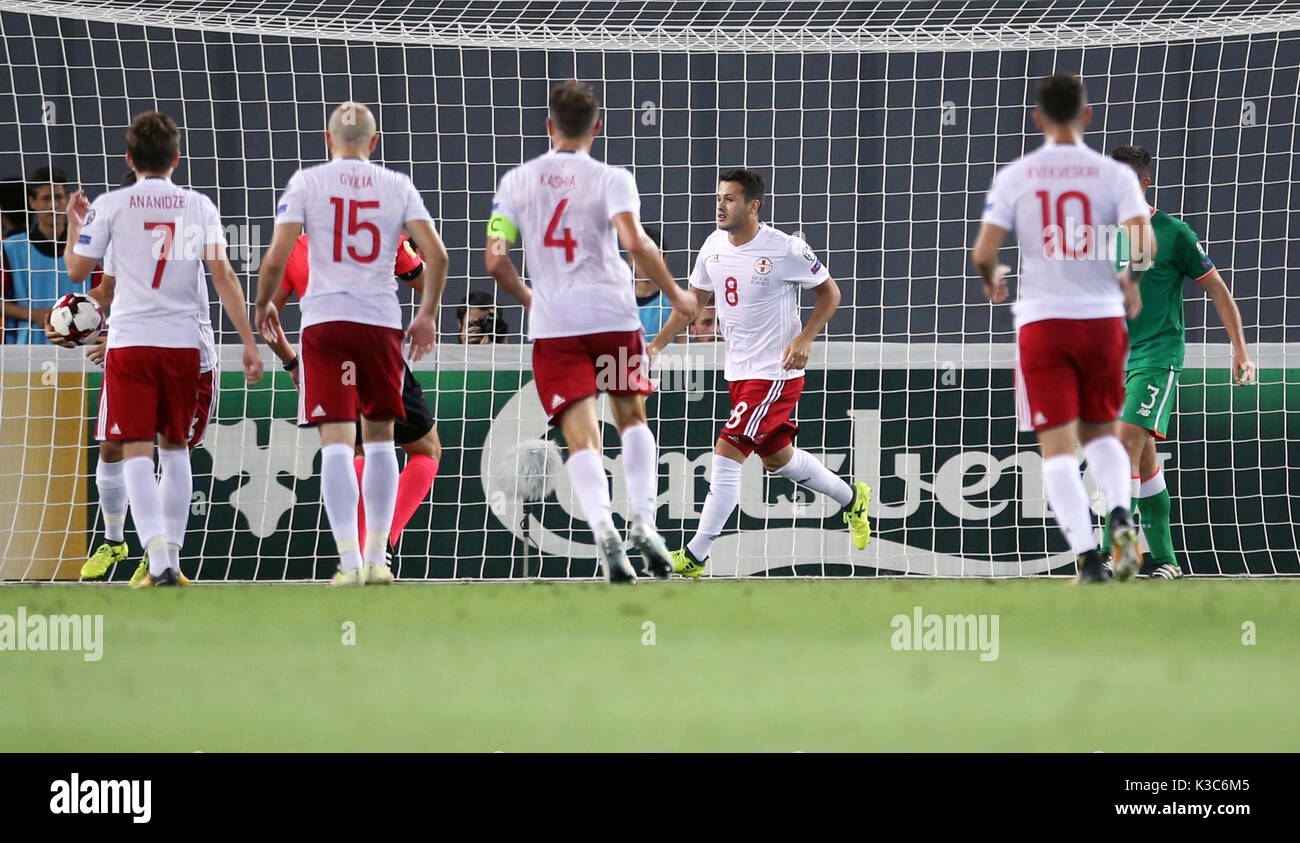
(775, 665)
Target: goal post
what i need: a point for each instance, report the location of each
(878, 128)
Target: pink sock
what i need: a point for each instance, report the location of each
(412, 488)
(359, 463)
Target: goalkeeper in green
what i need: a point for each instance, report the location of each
(1157, 338)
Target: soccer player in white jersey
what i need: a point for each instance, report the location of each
(573, 212)
(161, 236)
(109, 482)
(755, 274)
(353, 213)
(1061, 200)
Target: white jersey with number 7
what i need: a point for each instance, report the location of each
(353, 213)
(562, 203)
(1062, 200)
(158, 232)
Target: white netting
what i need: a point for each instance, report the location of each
(878, 127)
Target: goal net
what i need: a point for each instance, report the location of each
(878, 127)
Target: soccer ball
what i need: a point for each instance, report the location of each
(78, 318)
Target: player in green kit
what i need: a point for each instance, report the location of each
(1156, 344)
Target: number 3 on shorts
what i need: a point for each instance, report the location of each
(737, 414)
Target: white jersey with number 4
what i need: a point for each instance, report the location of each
(207, 342)
(562, 203)
(158, 232)
(353, 213)
(1064, 201)
(756, 293)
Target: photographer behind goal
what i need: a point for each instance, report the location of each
(477, 320)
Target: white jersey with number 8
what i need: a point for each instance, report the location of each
(1062, 200)
(353, 213)
(562, 203)
(756, 290)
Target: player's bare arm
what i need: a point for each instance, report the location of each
(79, 266)
(266, 313)
(500, 267)
(800, 348)
(646, 254)
(1243, 368)
(226, 283)
(1142, 254)
(985, 257)
(423, 331)
(677, 322)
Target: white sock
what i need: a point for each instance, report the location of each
(111, 484)
(724, 495)
(1069, 499)
(1153, 485)
(587, 473)
(1111, 470)
(338, 481)
(379, 490)
(641, 468)
(146, 508)
(160, 557)
(806, 470)
(175, 489)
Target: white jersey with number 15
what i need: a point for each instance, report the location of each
(1064, 201)
(562, 203)
(353, 213)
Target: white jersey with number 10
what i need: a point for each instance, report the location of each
(353, 213)
(1063, 200)
(562, 203)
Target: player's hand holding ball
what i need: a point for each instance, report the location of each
(995, 288)
(75, 320)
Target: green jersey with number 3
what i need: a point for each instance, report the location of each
(1158, 336)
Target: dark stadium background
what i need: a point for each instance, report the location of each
(854, 145)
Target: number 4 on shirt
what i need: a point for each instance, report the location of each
(568, 243)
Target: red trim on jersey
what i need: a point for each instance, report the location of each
(296, 273)
(1206, 275)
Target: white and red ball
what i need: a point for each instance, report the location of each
(78, 318)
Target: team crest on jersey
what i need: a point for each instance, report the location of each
(90, 217)
(762, 266)
(808, 254)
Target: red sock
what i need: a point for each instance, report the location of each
(359, 463)
(412, 488)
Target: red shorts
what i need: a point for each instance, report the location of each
(348, 368)
(1070, 369)
(568, 369)
(760, 415)
(148, 390)
(204, 404)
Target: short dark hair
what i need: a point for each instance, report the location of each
(45, 175)
(1061, 97)
(479, 299)
(574, 108)
(1136, 157)
(751, 183)
(153, 141)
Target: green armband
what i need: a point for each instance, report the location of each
(500, 226)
